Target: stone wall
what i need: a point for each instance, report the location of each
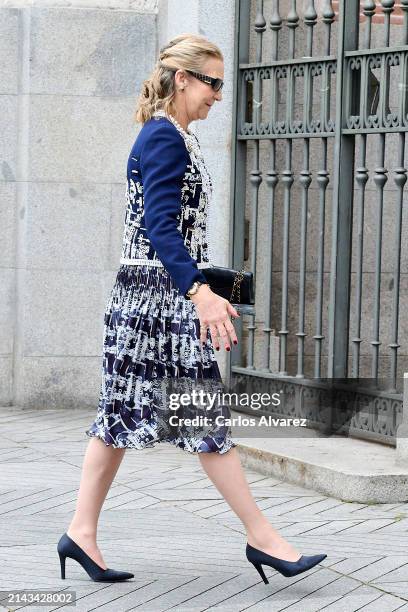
(70, 76)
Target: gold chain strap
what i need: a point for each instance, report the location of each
(237, 284)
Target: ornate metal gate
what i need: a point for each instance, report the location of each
(321, 115)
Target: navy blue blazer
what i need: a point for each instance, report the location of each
(166, 214)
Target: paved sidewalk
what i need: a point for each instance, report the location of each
(165, 521)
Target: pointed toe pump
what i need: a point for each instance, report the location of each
(68, 548)
(286, 568)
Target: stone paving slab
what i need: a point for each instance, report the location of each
(165, 521)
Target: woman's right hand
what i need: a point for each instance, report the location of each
(213, 311)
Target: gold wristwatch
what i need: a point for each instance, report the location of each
(193, 289)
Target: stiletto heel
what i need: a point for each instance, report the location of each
(259, 567)
(62, 561)
(68, 548)
(286, 568)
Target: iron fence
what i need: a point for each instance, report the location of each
(320, 117)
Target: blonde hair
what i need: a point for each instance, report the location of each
(185, 52)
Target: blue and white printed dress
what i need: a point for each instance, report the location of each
(151, 341)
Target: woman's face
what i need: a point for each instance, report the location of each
(197, 97)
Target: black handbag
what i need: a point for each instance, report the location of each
(237, 286)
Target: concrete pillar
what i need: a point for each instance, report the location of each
(216, 21)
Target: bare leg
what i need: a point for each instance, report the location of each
(99, 468)
(226, 473)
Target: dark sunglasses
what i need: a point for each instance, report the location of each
(216, 84)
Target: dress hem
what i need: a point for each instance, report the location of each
(152, 444)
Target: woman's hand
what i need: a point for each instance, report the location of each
(213, 312)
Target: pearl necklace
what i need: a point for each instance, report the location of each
(186, 134)
(193, 147)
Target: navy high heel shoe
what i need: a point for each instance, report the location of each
(68, 548)
(287, 568)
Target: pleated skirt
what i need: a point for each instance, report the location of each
(152, 356)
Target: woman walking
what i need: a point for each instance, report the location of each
(162, 321)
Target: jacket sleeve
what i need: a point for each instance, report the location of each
(163, 162)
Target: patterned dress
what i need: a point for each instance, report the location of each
(151, 349)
